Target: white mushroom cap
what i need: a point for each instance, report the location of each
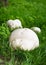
(24, 38)
(36, 29)
(14, 23)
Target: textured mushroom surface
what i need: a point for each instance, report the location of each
(14, 23)
(24, 38)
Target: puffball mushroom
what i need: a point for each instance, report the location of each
(24, 38)
(14, 23)
(36, 29)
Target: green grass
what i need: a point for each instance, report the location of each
(31, 13)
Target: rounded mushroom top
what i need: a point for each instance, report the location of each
(36, 29)
(24, 38)
(14, 23)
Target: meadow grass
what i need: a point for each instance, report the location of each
(31, 13)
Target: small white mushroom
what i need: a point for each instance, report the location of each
(36, 29)
(14, 23)
(24, 38)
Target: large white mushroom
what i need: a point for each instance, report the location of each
(23, 38)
